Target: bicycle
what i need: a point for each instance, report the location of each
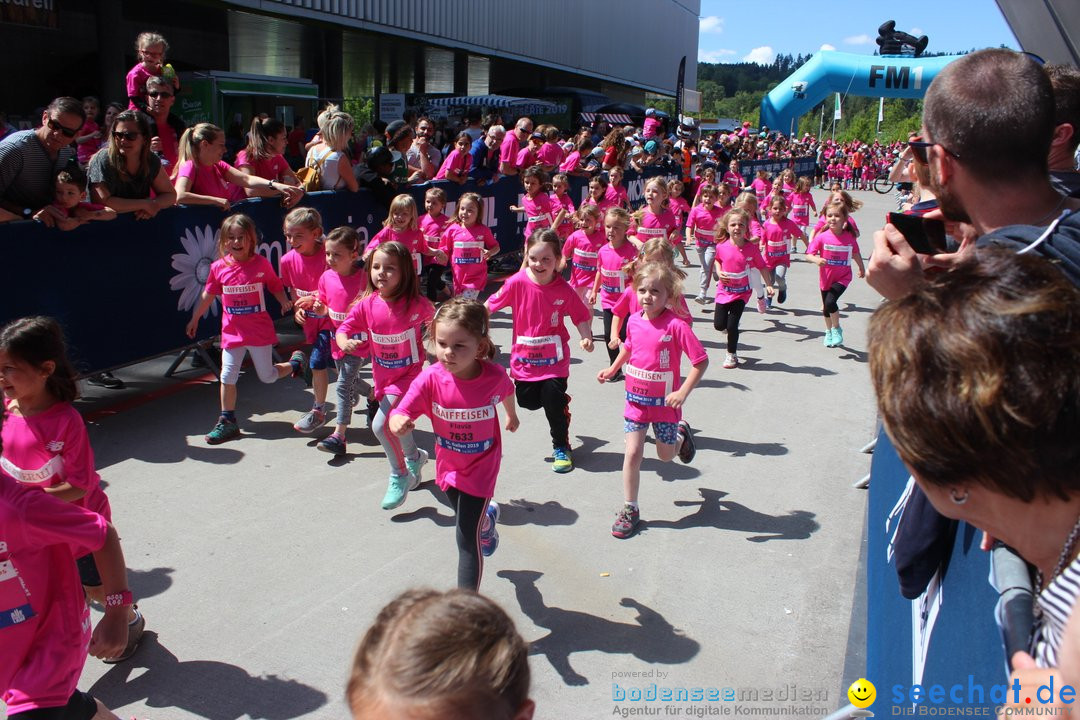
(883, 185)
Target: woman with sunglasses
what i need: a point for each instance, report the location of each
(123, 173)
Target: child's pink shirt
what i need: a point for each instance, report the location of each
(702, 223)
(616, 195)
(337, 292)
(582, 252)
(411, 239)
(653, 369)
(395, 339)
(86, 150)
(46, 630)
(837, 252)
(525, 159)
(570, 164)
(628, 304)
(302, 273)
(272, 168)
(465, 246)
(733, 181)
(456, 160)
(433, 228)
(136, 84)
(566, 227)
(761, 188)
(52, 448)
(604, 203)
(209, 180)
(465, 420)
(755, 232)
(801, 204)
(776, 238)
(540, 212)
(613, 279)
(541, 348)
(244, 319)
(663, 225)
(733, 265)
(680, 208)
(650, 127)
(549, 154)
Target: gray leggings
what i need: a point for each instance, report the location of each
(397, 448)
(706, 255)
(349, 384)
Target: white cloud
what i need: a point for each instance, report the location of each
(712, 24)
(859, 40)
(916, 31)
(827, 46)
(761, 55)
(714, 56)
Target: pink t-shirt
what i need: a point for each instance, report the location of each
(566, 227)
(616, 195)
(136, 84)
(465, 246)
(851, 226)
(650, 127)
(432, 229)
(411, 239)
(549, 154)
(603, 203)
(613, 279)
(209, 180)
(628, 303)
(508, 151)
(540, 211)
(777, 239)
(733, 266)
(680, 208)
(761, 188)
(456, 160)
(652, 226)
(653, 369)
(87, 149)
(702, 223)
(733, 181)
(45, 627)
(337, 293)
(271, 168)
(801, 204)
(570, 164)
(755, 232)
(302, 273)
(52, 448)
(525, 159)
(837, 252)
(170, 144)
(541, 348)
(244, 319)
(465, 420)
(581, 252)
(395, 339)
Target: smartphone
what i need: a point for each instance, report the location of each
(926, 237)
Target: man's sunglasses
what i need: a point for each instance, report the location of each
(57, 127)
(156, 94)
(919, 150)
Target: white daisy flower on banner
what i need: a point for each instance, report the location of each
(193, 266)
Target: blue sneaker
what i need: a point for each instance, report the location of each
(396, 490)
(838, 337)
(828, 339)
(489, 534)
(333, 444)
(563, 462)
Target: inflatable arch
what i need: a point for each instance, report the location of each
(829, 71)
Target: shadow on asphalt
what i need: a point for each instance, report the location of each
(207, 688)
(650, 637)
(712, 512)
(753, 364)
(148, 583)
(737, 448)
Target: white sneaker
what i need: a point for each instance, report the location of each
(732, 360)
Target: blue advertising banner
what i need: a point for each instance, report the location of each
(801, 166)
(124, 290)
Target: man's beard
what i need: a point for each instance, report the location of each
(950, 205)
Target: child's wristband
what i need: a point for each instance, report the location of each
(119, 599)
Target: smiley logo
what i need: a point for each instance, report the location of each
(862, 693)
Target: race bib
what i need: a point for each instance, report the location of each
(307, 293)
(838, 255)
(647, 387)
(585, 260)
(338, 317)
(417, 261)
(538, 351)
(612, 281)
(468, 252)
(432, 241)
(242, 299)
(735, 283)
(394, 351)
(651, 232)
(543, 220)
(704, 238)
(777, 249)
(468, 431)
(42, 476)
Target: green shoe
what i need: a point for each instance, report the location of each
(827, 340)
(563, 463)
(416, 467)
(396, 490)
(838, 337)
(224, 430)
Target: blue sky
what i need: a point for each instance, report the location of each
(734, 31)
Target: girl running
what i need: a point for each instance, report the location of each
(656, 250)
(656, 340)
(616, 192)
(469, 244)
(610, 280)
(680, 208)
(433, 224)
(301, 269)
(582, 249)
(760, 186)
(391, 316)
(850, 204)
(44, 439)
(832, 250)
(460, 394)
(540, 211)
(735, 257)
(802, 202)
(655, 220)
(733, 178)
(239, 277)
(598, 196)
(560, 198)
(540, 357)
(339, 287)
(779, 236)
(701, 231)
(755, 231)
(402, 225)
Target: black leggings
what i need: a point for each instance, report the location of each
(608, 315)
(468, 511)
(80, 706)
(726, 316)
(433, 280)
(829, 298)
(551, 395)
